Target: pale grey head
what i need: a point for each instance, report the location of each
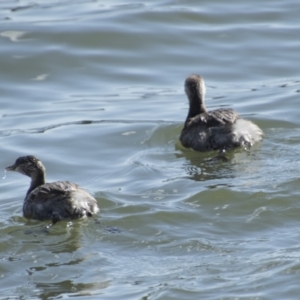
(194, 87)
(28, 165)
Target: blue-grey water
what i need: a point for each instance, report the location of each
(95, 90)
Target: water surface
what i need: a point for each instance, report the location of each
(95, 90)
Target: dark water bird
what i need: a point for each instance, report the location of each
(55, 201)
(218, 129)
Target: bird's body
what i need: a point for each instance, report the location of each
(60, 200)
(218, 129)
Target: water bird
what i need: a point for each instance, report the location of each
(55, 201)
(218, 129)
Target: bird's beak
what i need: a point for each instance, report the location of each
(10, 168)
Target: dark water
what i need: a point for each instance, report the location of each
(95, 90)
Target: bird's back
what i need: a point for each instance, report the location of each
(218, 129)
(57, 201)
(217, 117)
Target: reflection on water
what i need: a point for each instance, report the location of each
(50, 290)
(218, 169)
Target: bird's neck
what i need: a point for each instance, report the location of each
(36, 181)
(197, 106)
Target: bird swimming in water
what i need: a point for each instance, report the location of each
(218, 129)
(55, 201)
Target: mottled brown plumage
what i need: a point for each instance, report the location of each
(52, 201)
(218, 129)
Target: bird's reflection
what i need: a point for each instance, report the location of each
(209, 166)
